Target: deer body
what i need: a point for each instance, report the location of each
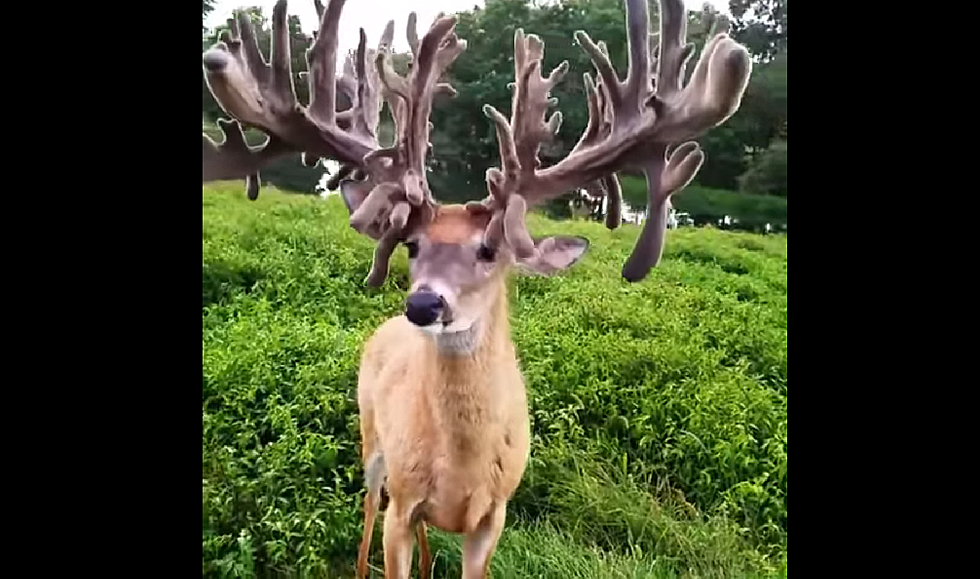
(451, 429)
(448, 431)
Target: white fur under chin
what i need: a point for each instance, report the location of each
(457, 337)
(453, 327)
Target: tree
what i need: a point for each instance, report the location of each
(206, 8)
(760, 25)
(767, 173)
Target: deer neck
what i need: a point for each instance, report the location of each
(466, 373)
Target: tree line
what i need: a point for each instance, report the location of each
(746, 154)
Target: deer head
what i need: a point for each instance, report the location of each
(456, 274)
(640, 123)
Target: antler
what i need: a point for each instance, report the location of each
(631, 124)
(261, 95)
(385, 189)
(235, 158)
(396, 197)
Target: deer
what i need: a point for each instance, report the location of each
(444, 421)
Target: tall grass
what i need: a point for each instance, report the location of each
(658, 409)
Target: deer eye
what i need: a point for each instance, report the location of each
(412, 247)
(485, 253)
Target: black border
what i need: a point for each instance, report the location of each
(123, 340)
(864, 211)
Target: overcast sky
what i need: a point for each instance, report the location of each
(372, 15)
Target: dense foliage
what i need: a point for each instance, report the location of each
(768, 172)
(659, 409)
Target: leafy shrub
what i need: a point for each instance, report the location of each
(659, 409)
(708, 205)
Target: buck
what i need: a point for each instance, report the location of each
(443, 407)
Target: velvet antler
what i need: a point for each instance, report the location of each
(632, 123)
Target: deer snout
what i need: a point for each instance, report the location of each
(424, 307)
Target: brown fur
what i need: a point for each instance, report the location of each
(454, 224)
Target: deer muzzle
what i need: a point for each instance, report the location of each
(424, 307)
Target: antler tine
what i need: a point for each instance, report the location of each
(396, 195)
(368, 107)
(321, 61)
(347, 87)
(714, 22)
(674, 53)
(242, 29)
(412, 32)
(361, 85)
(520, 138)
(614, 201)
(527, 115)
(282, 74)
(632, 123)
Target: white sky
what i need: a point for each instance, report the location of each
(372, 15)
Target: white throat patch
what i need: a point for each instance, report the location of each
(457, 343)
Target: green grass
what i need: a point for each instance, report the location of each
(658, 409)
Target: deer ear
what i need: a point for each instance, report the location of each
(354, 193)
(554, 254)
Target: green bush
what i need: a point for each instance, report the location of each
(658, 408)
(707, 205)
(752, 211)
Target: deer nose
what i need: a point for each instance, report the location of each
(423, 307)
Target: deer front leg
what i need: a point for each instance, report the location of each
(374, 478)
(478, 547)
(399, 540)
(425, 559)
(371, 503)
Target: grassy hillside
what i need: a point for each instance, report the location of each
(658, 409)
